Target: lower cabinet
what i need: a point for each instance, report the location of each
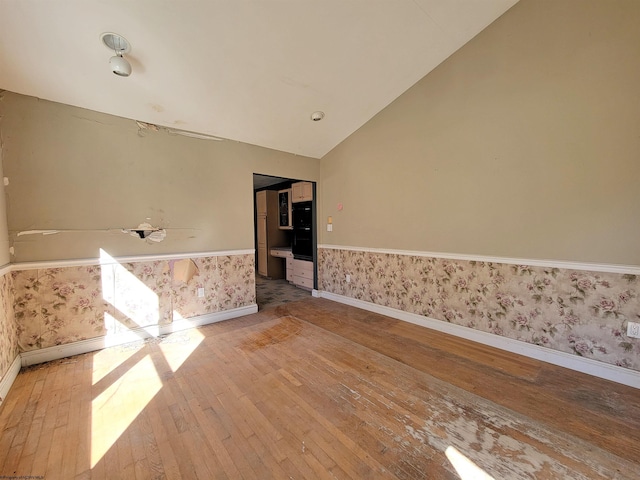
(288, 261)
(289, 268)
(303, 273)
(298, 272)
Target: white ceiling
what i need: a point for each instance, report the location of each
(247, 70)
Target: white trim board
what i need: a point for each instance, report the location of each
(5, 269)
(603, 370)
(9, 377)
(590, 267)
(82, 262)
(98, 343)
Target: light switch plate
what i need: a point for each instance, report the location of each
(201, 292)
(329, 227)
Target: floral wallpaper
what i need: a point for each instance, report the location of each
(44, 299)
(56, 306)
(579, 312)
(8, 328)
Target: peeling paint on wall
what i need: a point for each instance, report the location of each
(184, 270)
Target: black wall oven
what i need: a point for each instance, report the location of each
(302, 247)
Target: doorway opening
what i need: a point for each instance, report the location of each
(285, 236)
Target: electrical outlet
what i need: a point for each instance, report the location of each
(348, 278)
(201, 292)
(633, 329)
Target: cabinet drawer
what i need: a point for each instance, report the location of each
(303, 282)
(289, 263)
(304, 274)
(302, 265)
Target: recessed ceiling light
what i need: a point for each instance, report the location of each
(317, 116)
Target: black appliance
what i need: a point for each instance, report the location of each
(302, 247)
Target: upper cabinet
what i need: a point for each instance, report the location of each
(261, 202)
(284, 209)
(301, 192)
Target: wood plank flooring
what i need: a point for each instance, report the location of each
(314, 389)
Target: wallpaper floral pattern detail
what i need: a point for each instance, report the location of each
(579, 312)
(49, 296)
(56, 306)
(8, 328)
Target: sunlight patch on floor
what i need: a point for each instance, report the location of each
(466, 469)
(106, 361)
(179, 346)
(113, 410)
(116, 407)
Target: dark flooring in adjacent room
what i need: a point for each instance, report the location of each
(271, 293)
(315, 389)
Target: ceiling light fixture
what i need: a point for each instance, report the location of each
(119, 45)
(317, 116)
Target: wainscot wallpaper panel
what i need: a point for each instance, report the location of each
(8, 327)
(56, 306)
(574, 311)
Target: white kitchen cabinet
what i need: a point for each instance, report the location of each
(268, 234)
(290, 268)
(261, 202)
(301, 192)
(288, 257)
(303, 273)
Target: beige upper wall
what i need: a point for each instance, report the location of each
(71, 168)
(525, 143)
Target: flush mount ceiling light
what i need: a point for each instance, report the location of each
(317, 116)
(119, 45)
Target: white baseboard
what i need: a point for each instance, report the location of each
(606, 371)
(98, 343)
(186, 323)
(9, 377)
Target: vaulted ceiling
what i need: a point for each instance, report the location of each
(247, 70)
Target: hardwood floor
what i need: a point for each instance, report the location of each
(314, 389)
